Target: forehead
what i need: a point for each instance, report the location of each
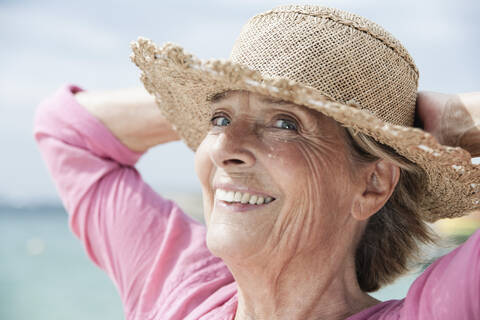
(229, 94)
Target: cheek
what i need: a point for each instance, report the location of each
(204, 170)
(326, 177)
(314, 171)
(314, 179)
(202, 162)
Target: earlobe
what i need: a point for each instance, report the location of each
(380, 181)
(357, 210)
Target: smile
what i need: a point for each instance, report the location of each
(242, 197)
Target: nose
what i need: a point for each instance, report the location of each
(233, 148)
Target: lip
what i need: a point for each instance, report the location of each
(239, 207)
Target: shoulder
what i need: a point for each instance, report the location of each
(447, 289)
(450, 287)
(390, 309)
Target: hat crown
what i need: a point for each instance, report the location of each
(344, 56)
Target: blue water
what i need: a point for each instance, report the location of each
(45, 273)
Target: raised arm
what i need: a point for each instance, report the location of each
(131, 115)
(154, 253)
(454, 119)
(450, 287)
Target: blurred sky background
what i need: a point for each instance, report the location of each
(45, 44)
(44, 273)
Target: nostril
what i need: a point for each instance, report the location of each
(228, 154)
(233, 161)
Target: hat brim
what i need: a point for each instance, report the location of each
(183, 84)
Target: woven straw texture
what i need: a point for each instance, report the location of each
(335, 62)
(335, 53)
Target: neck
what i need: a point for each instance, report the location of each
(302, 288)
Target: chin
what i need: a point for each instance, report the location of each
(230, 243)
(235, 233)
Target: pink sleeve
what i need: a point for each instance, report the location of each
(151, 250)
(450, 287)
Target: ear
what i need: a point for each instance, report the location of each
(378, 180)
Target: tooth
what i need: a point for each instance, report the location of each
(253, 199)
(219, 194)
(245, 198)
(224, 193)
(237, 197)
(229, 196)
(268, 199)
(260, 200)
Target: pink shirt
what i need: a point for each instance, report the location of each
(157, 256)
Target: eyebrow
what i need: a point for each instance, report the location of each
(218, 97)
(270, 100)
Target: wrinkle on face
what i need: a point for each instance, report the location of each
(319, 153)
(309, 169)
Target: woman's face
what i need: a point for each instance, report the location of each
(276, 179)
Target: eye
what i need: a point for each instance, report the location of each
(220, 121)
(286, 124)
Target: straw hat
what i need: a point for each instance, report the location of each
(335, 62)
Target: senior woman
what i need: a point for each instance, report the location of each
(316, 188)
